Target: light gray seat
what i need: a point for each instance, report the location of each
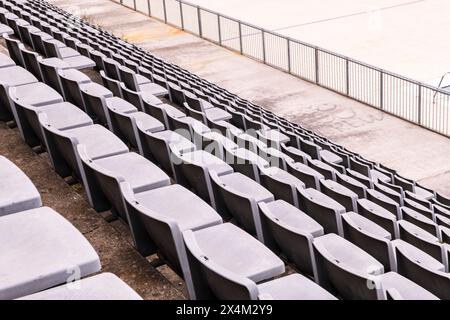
(345, 268)
(40, 249)
(393, 194)
(309, 176)
(68, 55)
(216, 143)
(370, 237)
(341, 194)
(419, 208)
(360, 177)
(156, 146)
(421, 268)
(288, 230)
(105, 286)
(445, 234)
(6, 29)
(420, 220)
(71, 79)
(161, 110)
(296, 154)
(357, 187)
(273, 138)
(422, 239)
(102, 179)
(6, 61)
(379, 215)
(61, 146)
(195, 167)
(12, 77)
(157, 221)
(384, 201)
(26, 98)
(292, 287)
(323, 168)
(224, 261)
(124, 117)
(403, 288)
(246, 162)
(282, 184)
(17, 192)
(94, 98)
(323, 209)
(49, 70)
(238, 196)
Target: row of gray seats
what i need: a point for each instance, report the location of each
(63, 262)
(112, 160)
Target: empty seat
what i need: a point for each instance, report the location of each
(420, 220)
(421, 268)
(323, 209)
(246, 162)
(345, 268)
(105, 286)
(427, 212)
(103, 178)
(352, 184)
(403, 288)
(227, 273)
(40, 249)
(290, 231)
(71, 80)
(281, 184)
(309, 176)
(61, 146)
(157, 221)
(370, 237)
(422, 239)
(339, 193)
(17, 192)
(49, 70)
(94, 98)
(379, 215)
(238, 196)
(384, 201)
(6, 61)
(195, 167)
(67, 54)
(26, 98)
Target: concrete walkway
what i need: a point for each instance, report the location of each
(415, 152)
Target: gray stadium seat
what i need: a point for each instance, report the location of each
(422, 239)
(103, 177)
(71, 79)
(230, 273)
(49, 70)
(157, 221)
(40, 249)
(281, 184)
(404, 288)
(309, 176)
(290, 231)
(238, 196)
(357, 187)
(195, 167)
(94, 98)
(420, 220)
(421, 268)
(340, 193)
(6, 61)
(379, 215)
(17, 192)
(370, 237)
(105, 286)
(427, 212)
(323, 209)
(345, 268)
(384, 201)
(246, 162)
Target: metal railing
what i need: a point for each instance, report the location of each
(405, 98)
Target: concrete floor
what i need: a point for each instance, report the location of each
(415, 152)
(402, 36)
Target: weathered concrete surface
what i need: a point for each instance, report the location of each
(402, 36)
(415, 152)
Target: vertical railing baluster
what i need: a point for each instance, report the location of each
(199, 17)
(316, 58)
(263, 37)
(240, 36)
(165, 11)
(181, 15)
(219, 28)
(419, 105)
(347, 76)
(381, 90)
(149, 8)
(288, 55)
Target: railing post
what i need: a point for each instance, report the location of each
(149, 8)
(316, 58)
(419, 106)
(165, 12)
(288, 54)
(381, 90)
(240, 37)
(181, 15)
(134, 4)
(199, 16)
(263, 35)
(347, 76)
(219, 29)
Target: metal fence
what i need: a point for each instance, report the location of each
(405, 98)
